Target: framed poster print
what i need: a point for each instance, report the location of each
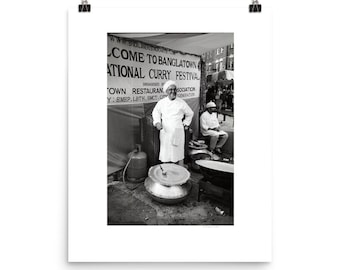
(123, 193)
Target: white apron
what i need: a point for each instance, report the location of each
(171, 141)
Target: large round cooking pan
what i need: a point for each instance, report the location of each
(216, 172)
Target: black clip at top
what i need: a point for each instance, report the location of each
(255, 6)
(84, 7)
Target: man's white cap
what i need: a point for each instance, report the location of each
(211, 105)
(168, 84)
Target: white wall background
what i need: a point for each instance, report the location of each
(33, 142)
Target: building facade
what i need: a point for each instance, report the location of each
(219, 59)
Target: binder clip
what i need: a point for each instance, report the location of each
(84, 7)
(255, 6)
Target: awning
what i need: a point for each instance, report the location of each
(221, 76)
(226, 74)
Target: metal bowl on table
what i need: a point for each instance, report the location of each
(216, 172)
(218, 182)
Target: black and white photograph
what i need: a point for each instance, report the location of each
(161, 146)
(170, 128)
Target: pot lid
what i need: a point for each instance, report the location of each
(173, 174)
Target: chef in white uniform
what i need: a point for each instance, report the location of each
(171, 116)
(211, 127)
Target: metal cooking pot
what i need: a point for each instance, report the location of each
(195, 154)
(166, 194)
(168, 183)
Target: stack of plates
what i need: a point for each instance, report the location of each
(199, 144)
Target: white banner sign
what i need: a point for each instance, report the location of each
(136, 72)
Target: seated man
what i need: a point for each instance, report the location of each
(211, 127)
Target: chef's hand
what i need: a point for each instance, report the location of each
(159, 126)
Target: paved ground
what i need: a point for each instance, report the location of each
(135, 207)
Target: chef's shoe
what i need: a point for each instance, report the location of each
(215, 157)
